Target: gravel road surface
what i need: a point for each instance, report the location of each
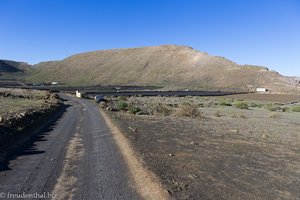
(74, 157)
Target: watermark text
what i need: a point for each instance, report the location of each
(35, 195)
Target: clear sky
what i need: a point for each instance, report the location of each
(260, 32)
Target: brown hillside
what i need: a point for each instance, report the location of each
(168, 65)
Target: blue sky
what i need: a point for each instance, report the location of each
(260, 32)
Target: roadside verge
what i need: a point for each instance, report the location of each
(147, 183)
(20, 126)
(16, 141)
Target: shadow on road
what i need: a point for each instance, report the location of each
(25, 142)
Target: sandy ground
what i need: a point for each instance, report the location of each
(227, 153)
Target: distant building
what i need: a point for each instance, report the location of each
(261, 90)
(54, 83)
(78, 94)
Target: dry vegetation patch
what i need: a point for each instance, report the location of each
(188, 110)
(227, 153)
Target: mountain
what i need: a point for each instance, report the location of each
(171, 66)
(9, 66)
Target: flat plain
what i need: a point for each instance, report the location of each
(216, 148)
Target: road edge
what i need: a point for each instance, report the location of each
(146, 182)
(27, 136)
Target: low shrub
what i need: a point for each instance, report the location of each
(134, 109)
(159, 109)
(260, 105)
(296, 108)
(269, 107)
(188, 110)
(122, 105)
(253, 105)
(224, 103)
(274, 107)
(241, 105)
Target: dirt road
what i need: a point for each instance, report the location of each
(75, 157)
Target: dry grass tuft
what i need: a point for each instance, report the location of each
(160, 109)
(188, 110)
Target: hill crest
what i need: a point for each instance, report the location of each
(170, 66)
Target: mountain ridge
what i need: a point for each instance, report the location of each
(10, 66)
(170, 66)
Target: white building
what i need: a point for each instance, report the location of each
(78, 94)
(261, 90)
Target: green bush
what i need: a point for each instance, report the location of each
(133, 109)
(121, 105)
(241, 105)
(270, 107)
(224, 103)
(274, 107)
(296, 108)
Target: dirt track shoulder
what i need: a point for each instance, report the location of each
(256, 157)
(147, 183)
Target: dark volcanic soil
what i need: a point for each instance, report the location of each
(219, 157)
(281, 98)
